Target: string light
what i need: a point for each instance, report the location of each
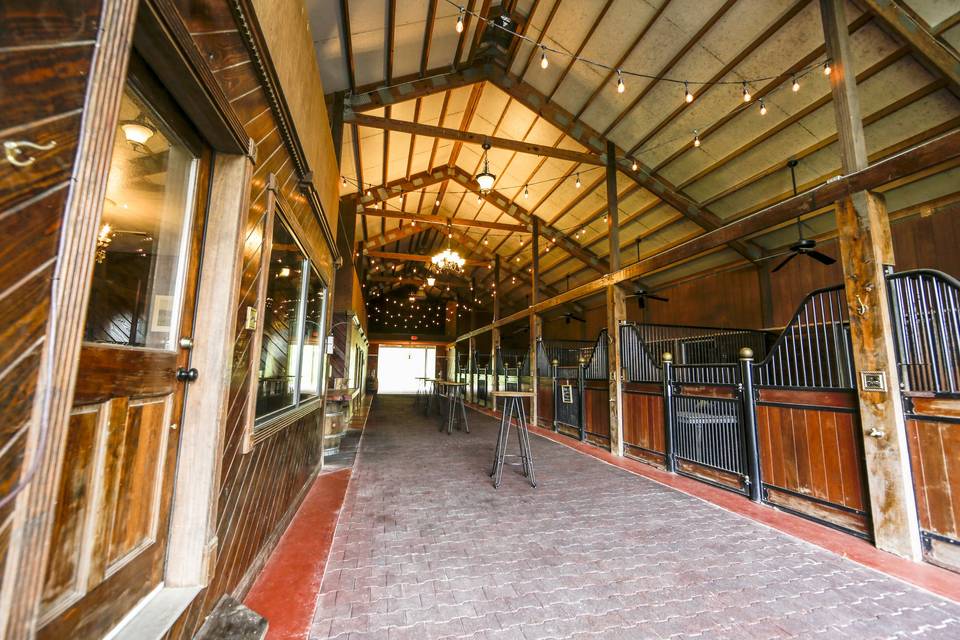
(620, 87)
(796, 84)
(544, 63)
(634, 165)
(578, 181)
(460, 20)
(696, 138)
(826, 68)
(526, 192)
(763, 108)
(686, 93)
(343, 181)
(746, 93)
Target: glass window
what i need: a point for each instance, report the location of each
(142, 244)
(291, 353)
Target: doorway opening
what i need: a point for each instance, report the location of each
(399, 367)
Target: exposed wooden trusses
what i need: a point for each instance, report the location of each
(388, 124)
(918, 38)
(415, 257)
(440, 220)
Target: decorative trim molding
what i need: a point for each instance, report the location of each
(252, 35)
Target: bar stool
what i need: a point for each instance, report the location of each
(513, 403)
(456, 411)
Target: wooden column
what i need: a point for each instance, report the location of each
(865, 248)
(616, 313)
(495, 332)
(613, 208)
(471, 350)
(535, 259)
(536, 329)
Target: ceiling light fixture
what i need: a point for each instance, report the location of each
(686, 93)
(486, 179)
(137, 132)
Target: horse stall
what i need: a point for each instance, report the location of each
(581, 393)
(926, 310)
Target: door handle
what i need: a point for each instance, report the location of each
(187, 375)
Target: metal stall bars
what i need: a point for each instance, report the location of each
(926, 313)
(650, 405)
(481, 368)
(807, 418)
(580, 404)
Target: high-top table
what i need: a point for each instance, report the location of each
(513, 404)
(456, 415)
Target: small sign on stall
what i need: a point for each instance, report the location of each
(566, 393)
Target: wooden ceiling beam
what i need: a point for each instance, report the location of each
(394, 235)
(594, 141)
(360, 200)
(443, 221)
(413, 257)
(468, 137)
(919, 39)
(435, 81)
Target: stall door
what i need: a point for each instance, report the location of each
(109, 541)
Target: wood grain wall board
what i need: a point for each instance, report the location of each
(936, 474)
(596, 409)
(47, 22)
(58, 74)
(643, 420)
(812, 451)
(51, 168)
(203, 16)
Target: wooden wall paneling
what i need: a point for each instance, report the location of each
(643, 428)
(90, 67)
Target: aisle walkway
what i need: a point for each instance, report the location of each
(426, 548)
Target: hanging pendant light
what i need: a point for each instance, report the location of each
(486, 179)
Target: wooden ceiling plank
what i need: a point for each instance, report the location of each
(698, 92)
(583, 44)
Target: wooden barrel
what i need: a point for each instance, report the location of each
(334, 426)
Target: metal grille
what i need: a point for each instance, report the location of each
(596, 366)
(814, 350)
(705, 374)
(926, 312)
(709, 432)
(643, 345)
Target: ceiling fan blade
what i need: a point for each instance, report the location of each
(577, 318)
(567, 319)
(821, 257)
(641, 302)
(660, 298)
(784, 263)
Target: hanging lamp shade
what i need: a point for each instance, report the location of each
(486, 179)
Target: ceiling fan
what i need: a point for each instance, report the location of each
(643, 296)
(803, 246)
(569, 316)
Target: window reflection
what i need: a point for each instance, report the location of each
(141, 252)
(291, 351)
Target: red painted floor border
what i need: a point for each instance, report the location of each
(924, 576)
(285, 592)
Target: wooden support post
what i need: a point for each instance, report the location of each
(613, 209)
(865, 248)
(471, 365)
(616, 314)
(536, 329)
(535, 266)
(495, 333)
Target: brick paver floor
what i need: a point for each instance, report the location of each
(426, 548)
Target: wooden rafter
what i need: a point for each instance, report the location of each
(396, 188)
(416, 128)
(443, 221)
(416, 87)
(394, 235)
(916, 35)
(413, 257)
(594, 141)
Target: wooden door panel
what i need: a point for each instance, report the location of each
(74, 499)
(133, 512)
(112, 372)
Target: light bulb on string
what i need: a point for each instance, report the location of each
(634, 165)
(620, 86)
(827, 69)
(578, 181)
(460, 21)
(686, 93)
(544, 63)
(696, 138)
(796, 84)
(526, 192)
(746, 93)
(763, 108)
(343, 181)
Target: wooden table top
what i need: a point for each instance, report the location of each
(512, 394)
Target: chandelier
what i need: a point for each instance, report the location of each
(486, 179)
(448, 260)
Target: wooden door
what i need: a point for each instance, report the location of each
(109, 542)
